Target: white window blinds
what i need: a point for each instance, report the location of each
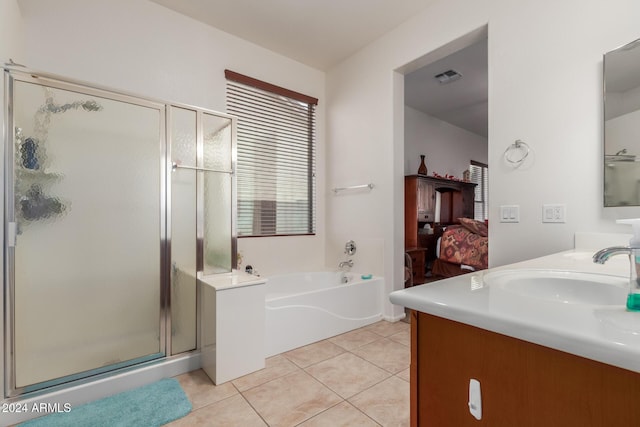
(276, 157)
(480, 175)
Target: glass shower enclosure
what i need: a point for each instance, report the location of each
(114, 205)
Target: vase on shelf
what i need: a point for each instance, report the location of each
(422, 170)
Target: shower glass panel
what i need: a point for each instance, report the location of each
(183, 230)
(218, 202)
(87, 210)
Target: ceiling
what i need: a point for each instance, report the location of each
(317, 33)
(323, 33)
(463, 102)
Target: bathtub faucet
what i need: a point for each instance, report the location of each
(344, 264)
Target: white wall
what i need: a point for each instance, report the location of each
(155, 52)
(619, 103)
(545, 87)
(11, 34)
(448, 149)
(143, 48)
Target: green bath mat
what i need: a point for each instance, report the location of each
(148, 406)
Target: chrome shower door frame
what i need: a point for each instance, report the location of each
(10, 77)
(200, 170)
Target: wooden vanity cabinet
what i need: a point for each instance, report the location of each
(522, 384)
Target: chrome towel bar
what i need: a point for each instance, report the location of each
(353, 187)
(175, 166)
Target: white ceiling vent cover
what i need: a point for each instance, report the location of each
(448, 76)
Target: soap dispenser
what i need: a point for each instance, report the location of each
(633, 299)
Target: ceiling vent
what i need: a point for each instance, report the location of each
(448, 76)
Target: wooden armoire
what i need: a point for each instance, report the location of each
(456, 201)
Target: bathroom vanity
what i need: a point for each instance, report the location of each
(547, 340)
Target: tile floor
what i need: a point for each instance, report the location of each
(360, 378)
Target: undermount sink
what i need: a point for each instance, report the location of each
(561, 286)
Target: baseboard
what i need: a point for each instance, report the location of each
(395, 318)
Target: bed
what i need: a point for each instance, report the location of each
(462, 248)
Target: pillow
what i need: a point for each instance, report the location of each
(477, 227)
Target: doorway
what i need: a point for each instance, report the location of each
(445, 106)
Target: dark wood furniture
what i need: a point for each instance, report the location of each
(418, 258)
(456, 201)
(522, 384)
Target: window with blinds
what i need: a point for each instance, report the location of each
(276, 189)
(480, 175)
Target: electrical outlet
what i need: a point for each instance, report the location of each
(553, 213)
(510, 213)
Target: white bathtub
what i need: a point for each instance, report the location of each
(303, 308)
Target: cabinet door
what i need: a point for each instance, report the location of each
(468, 196)
(426, 201)
(522, 384)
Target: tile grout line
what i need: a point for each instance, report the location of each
(296, 368)
(254, 409)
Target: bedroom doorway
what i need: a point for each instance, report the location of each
(446, 121)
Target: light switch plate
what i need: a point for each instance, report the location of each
(510, 213)
(553, 213)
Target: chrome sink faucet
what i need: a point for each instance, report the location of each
(603, 255)
(600, 257)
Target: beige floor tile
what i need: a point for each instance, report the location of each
(386, 329)
(347, 374)
(275, 367)
(231, 412)
(354, 339)
(386, 354)
(201, 391)
(386, 402)
(341, 415)
(402, 337)
(404, 375)
(313, 353)
(291, 399)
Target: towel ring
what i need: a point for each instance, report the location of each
(519, 147)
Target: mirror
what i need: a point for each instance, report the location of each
(622, 126)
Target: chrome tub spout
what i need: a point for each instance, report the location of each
(344, 264)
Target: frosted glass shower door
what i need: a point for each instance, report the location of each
(202, 235)
(88, 209)
(219, 235)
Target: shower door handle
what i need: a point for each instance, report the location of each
(12, 234)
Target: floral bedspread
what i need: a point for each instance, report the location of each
(460, 245)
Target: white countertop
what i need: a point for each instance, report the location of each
(234, 279)
(605, 333)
